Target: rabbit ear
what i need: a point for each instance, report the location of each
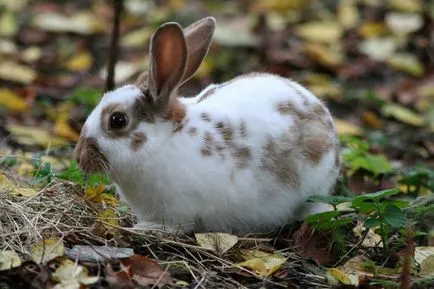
(168, 56)
(198, 38)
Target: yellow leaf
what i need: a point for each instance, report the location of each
(31, 54)
(262, 263)
(8, 23)
(25, 169)
(218, 242)
(403, 114)
(324, 55)
(372, 29)
(348, 15)
(16, 72)
(321, 31)
(334, 274)
(72, 275)
(427, 267)
(136, 38)
(9, 259)
(407, 6)
(346, 128)
(63, 129)
(97, 194)
(7, 186)
(421, 253)
(277, 5)
(48, 249)
(34, 136)
(80, 62)
(108, 216)
(406, 62)
(373, 120)
(12, 101)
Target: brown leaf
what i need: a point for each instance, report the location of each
(145, 271)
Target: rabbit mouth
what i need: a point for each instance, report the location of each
(89, 157)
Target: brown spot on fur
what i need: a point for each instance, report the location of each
(207, 94)
(280, 160)
(192, 131)
(243, 129)
(206, 117)
(137, 140)
(208, 144)
(242, 156)
(177, 111)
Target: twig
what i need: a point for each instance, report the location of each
(114, 46)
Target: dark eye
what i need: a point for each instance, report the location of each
(118, 120)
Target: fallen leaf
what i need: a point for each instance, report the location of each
(427, 267)
(97, 194)
(373, 120)
(236, 32)
(81, 23)
(16, 72)
(12, 101)
(378, 49)
(406, 62)
(218, 242)
(9, 259)
(31, 54)
(63, 129)
(125, 70)
(277, 5)
(108, 216)
(344, 127)
(71, 275)
(404, 23)
(145, 271)
(8, 23)
(262, 263)
(402, 114)
(348, 14)
(81, 61)
(407, 6)
(8, 186)
(335, 277)
(34, 136)
(47, 249)
(136, 38)
(325, 55)
(321, 31)
(372, 29)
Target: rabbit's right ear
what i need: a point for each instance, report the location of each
(198, 38)
(168, 58)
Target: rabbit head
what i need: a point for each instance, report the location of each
(140, 117)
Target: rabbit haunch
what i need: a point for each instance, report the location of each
(241, 156)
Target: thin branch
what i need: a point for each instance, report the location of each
(114, 46)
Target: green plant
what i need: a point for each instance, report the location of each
(356, 156)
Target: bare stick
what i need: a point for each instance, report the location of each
(114, 46)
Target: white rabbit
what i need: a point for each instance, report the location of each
(242, 156)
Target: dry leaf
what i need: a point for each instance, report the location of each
(16, 72)
(262, 263)
(9, 259)
(136, 38)
(427, 267)
(108, 216)
(80, 62)
(373, 29)
(7, 186)
(406, 62)
(34, 136)
(344, 127)
(145, 271)
(407, 6)
(404, 23)
(12, 101)
(321, 31)
(218, 242)
(125, 70)
(402, 114)
(63, 129)
(31, 54)
(347, 14)
(81, 23)
(47, 249)
(335, 277)
(236, 32)
(72, 275)
(379, 48)
(325, 55)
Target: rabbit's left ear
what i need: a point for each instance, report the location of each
(168, 56)
(198, 38)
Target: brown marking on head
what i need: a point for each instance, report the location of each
(88, 156)
(207, 147)
(280, 160)
(138, 139)
(243, 129)
(177, 111)
(207, 94)
(192, 131)
(205, 117)
(242, 156)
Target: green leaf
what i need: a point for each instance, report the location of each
(394, 216)
(378, 195)
(372, 222)
(331, 200)
(322, 217)
(332, 224)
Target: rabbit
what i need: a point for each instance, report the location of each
(242, 156)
